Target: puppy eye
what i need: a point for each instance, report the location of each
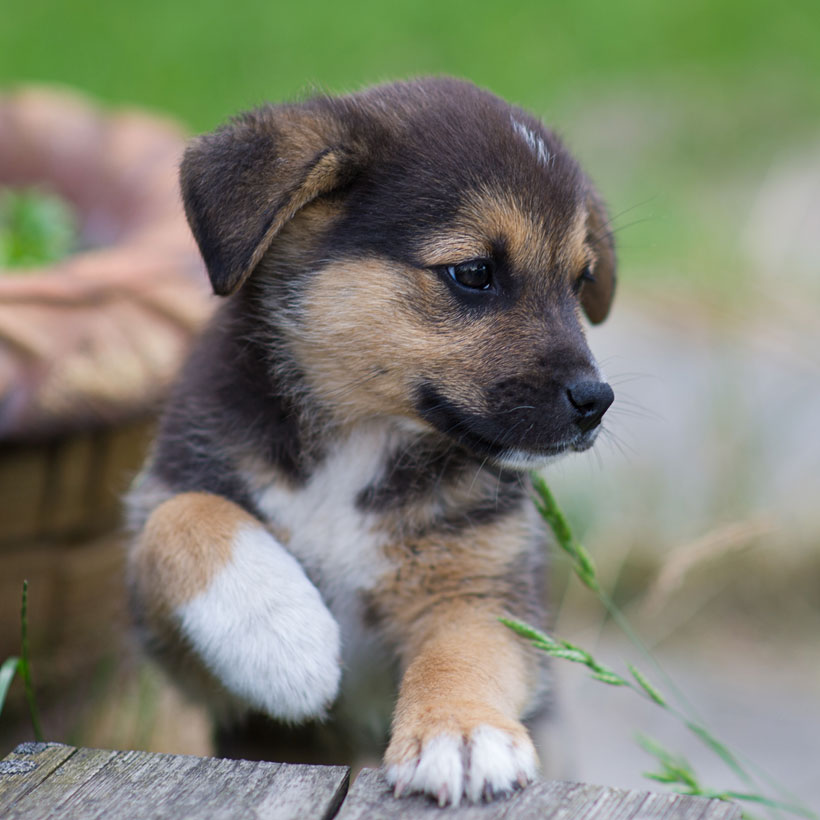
(476, 274)
(586, 276)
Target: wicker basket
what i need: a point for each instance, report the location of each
(87, 350)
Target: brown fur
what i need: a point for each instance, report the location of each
(340, 228)
(462, 668)
(185, 542)
(450, 686)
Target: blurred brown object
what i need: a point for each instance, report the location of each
(88, 348)
(96, 338)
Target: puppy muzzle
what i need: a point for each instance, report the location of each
(521, 422)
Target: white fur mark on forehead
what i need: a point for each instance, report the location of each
(536, 144)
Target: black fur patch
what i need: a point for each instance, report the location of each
(442, 146)
(508, 498)
(410, 475)
(227, 406)
(416, 475)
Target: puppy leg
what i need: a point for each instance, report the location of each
(208, 575)
(456, 729)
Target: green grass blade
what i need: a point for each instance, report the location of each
(674, 767)
(552, 514)
(567, 655)
(582, 563)
(652, 747)
(527, 631)
(719, 749)
(647, 687)
(605, 676)
(565, 651)
(585, 571)
(799, 811)
(675, 770)
(661, 777)
(25, 667)
(7, 673)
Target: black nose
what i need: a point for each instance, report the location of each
(590, 400)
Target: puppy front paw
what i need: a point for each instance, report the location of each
(264, 632)
(481, 762)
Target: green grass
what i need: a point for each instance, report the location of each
(36, 228)
(203, 60)
(674, 771)
(11, 666)
(677, 109)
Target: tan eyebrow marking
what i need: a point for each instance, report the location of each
(452, 248)
(488, 217)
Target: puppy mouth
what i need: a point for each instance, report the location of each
(482, 437)
(585, 440)
(516, 458)
(446, 419)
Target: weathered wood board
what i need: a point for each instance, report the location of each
(49, 780)
(370, 797)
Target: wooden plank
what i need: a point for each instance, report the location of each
(370, 796)
(232, 789)
(306, 792)
(111, 785)
(42, 780)
(27, 767)
(57, 789)
(579, 801)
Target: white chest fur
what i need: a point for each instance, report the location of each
(336, 543)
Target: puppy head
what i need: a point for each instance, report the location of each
(426, 249)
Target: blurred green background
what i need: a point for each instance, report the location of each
(677, 109)
(700, 122)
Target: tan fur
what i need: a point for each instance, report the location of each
(456, 245)
(362, 334)
(463, 667)
(298, 237)
(498, 215)
(437, 562)
(186, 541)
(434, 570)
(364, 394)
(489, 213)
(466, 674)
(372, 323)
(577, 251)
(320, 178)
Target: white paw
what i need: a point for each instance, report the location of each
(262, 629)
(489, 762)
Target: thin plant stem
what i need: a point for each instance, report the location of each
(584, 569)
(25, 667)
(675, 770)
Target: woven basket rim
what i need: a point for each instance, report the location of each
(96, 338)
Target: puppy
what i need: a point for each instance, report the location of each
(339, 485)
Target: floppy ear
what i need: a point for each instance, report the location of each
(243, 182)
(596, 297)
